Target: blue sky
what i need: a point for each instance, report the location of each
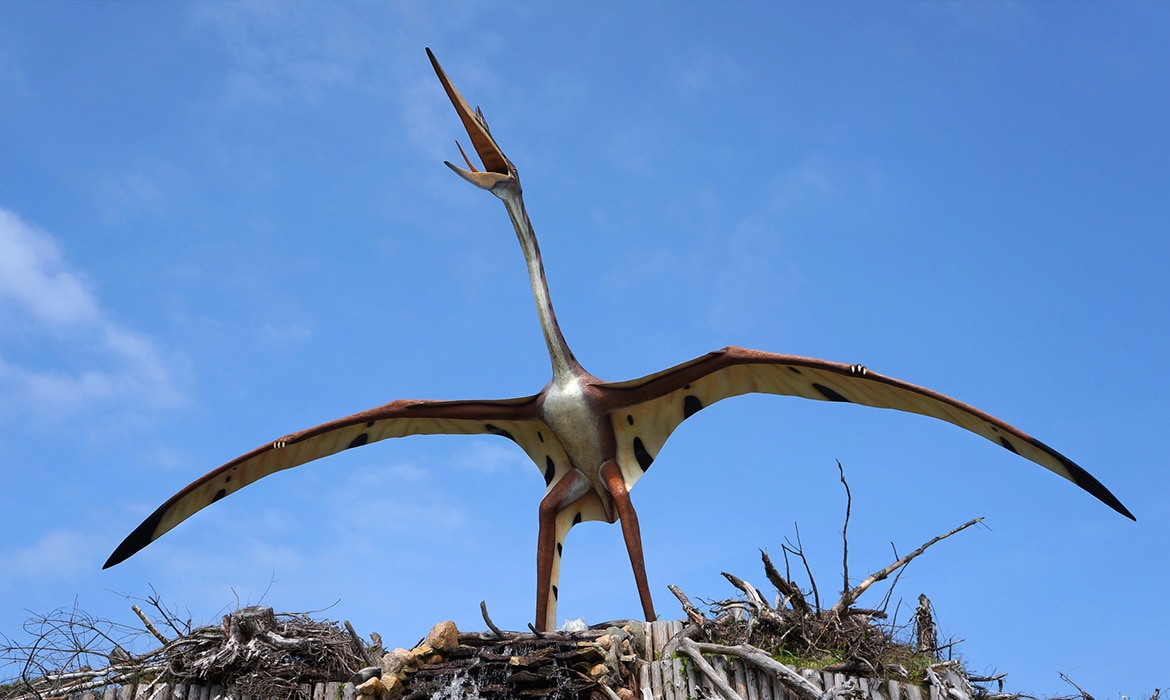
(220, 223)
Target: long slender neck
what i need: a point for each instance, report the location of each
(564, 364)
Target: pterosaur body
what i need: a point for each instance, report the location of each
(592, 440)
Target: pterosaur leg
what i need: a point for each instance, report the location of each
(611, 474)
(549, 540)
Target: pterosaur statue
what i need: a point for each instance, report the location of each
(592, 440)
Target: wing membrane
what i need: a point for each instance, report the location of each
(653, 406)
(511, 418)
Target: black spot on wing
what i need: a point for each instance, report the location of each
(691, 405)
(1007, 444)
(829, 393)
(554, 592)
(560, 547)
(369, 424)
(645, 459)
(577, 519)
(630, 419)
(550, 470)
(358, 441)
(218, 495)
(790, 368)
(496, 430)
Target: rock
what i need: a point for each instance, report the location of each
(443, 637)
(395, 663)
(392, 688)
(372, 688)
(365, 674)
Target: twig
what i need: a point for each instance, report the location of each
(789, 590)
(851, 596)
(1080, 690)
(799, 551)
(149, 625)
(491, 625)
(750, 591)
(845, 531)
(688, 607)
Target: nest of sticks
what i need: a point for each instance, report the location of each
(254, 652)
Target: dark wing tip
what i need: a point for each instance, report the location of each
(135, 541)
(1089, 483)
(1081, 477)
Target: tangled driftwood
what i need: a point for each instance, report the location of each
(253, 653)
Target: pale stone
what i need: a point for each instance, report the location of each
(394, 664)
(392, 688)
(443, 637)
(370, 689)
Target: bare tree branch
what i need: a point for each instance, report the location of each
(845, 531)
(851, 596)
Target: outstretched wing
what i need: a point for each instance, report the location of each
(514, 419)
(646, 411)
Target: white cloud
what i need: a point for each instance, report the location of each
(34, 277)
(95, 359)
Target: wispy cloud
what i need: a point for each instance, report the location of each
(43, 296)
(283, 51)
(54, 554)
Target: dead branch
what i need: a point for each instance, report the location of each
(1080, 690)
(851, 596)
(693, 614)
(791, 592)
(791, 679)
(358, 645)
(845, 531)
(692, 650)
(754, 598)
(491, 625)
(149, 625)
(798, 550)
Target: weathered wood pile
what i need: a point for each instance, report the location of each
(624, 660)
(732, 654)
(560, 666)
(678, 676)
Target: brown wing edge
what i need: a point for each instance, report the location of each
(146, 533)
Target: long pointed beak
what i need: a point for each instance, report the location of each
(496, 168)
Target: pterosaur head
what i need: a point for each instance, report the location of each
(498, 175)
